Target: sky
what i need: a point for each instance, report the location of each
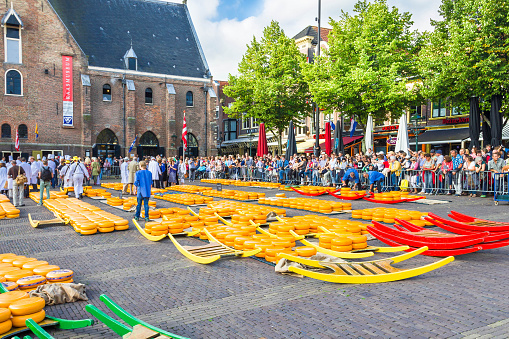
(225, 27)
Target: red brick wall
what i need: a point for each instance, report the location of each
(44, 40)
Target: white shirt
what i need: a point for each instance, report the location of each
(153, 167)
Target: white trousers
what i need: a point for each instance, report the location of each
(78, 184)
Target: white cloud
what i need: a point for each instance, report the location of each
(224, 42)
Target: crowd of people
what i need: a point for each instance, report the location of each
(470, 172)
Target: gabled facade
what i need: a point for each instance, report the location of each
(95, 75)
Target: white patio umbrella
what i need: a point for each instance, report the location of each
(402, 141)
(368, 138)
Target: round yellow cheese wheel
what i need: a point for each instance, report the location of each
(31, 281)
(59, 275)
(27, 306)
(10, 285)
(88, 232)
(7, 298)
(33, 264)
(305, 251)
(21, 262)
(45, 269)
(5, 314)
(19, 321)
(5, 326)
(16, 275)
(62, 281)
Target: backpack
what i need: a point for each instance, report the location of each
(46, 174)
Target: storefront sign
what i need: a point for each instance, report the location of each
(392, 141)
(67, 91)
(455, 121)
(390, 128)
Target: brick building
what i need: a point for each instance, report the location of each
(94, 75)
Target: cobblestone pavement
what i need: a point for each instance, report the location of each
(245, 298)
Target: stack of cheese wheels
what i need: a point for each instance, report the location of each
(86, 218)
(308, 204)
(6, 299)
(45, 269)
(387, 215)
(189, 188)
(60, 276)
(152, 214)
(185, 199)
(115, 201)
(245, 208)
(234, 194)
(27, 308)
(9, 210)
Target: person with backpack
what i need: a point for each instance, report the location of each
(45, 177)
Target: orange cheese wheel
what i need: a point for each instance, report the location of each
(121, 228)
(21, 262)
(27, 306)
(2, 279)
(270, 258)
(302, 226)
(250, 244)
(33, 264)
(341, 248)
(59, 275)
(358, 238)
(302, 232)
(341, 241)
(5, 314)
(10, 285)
(159, 228)
(89, 232)
(15, 275)
(62, 281)
(5, 264)
(106, 230)
(7, 255)
(19, 321)
(45, 269)
(326, 238)
(11, 259)
(8, 298)
(305, 251)
(31, 281)
(157, 233)
(273, 251)
(5, 326)
(286, 228)
(359, 246)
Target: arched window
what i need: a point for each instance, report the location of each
(148, 96)
(23, 131)
(106, 92)
(189, 99)
(6, 131)
(107, 137)
(149, 139)
(13, 83)
(191, 140)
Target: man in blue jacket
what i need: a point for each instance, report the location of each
(374, 177)
(351, 175)
(143, 181)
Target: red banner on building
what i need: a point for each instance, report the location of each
(67, 105)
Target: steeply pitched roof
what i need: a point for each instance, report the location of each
(162, 34)
(312, 31)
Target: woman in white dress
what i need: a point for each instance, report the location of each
(182, 171)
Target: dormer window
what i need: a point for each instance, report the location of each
(12, 25)
(131, 60)
(132, 64)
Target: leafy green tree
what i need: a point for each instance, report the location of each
(270, 86)
(370, 65)
(467, 53)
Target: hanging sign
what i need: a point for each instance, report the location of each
(392, 141)
(67, 106)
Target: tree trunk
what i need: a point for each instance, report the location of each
(279, 142)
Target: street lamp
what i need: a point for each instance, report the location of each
(416, 129)
(317, 115)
